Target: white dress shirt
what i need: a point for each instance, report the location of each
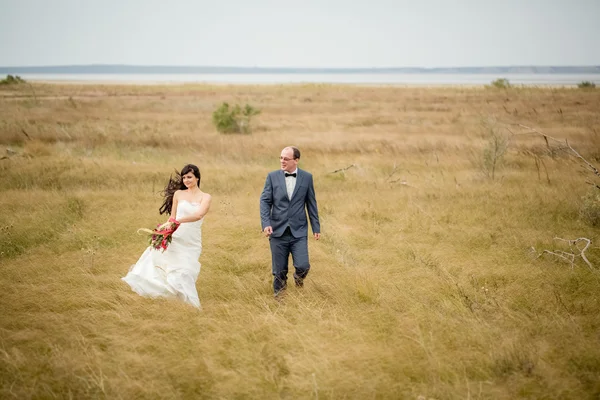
(290, 183)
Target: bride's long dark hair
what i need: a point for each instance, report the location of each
(175, 184)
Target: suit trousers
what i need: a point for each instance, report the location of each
(281, 248)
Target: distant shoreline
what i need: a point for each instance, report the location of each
(223, 70)
(289, 84)
(190, 83)
(357, 79)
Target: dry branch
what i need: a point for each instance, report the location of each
(570, 257)
(588, 165)
(343, 169)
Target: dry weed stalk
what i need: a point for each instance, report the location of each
(393, 172)
(539, 161)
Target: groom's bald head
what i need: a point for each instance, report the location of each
(295, 151)
(289, 158)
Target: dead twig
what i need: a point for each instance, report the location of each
(426, 214)
(402, 181)
(392, 173)
(343, 169)
(570, 257)
(560, 301)
(573, 243)
(588, 165)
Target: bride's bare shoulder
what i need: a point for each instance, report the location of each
(201, 198)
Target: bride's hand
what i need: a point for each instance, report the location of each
(164, 226)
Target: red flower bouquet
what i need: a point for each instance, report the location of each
(162, 235)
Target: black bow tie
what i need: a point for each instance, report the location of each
(286, 174)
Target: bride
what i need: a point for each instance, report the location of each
(174, 272)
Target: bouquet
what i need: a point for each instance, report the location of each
(160, 237)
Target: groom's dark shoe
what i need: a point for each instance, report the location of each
(279, 295)
(280, 292)
(298, 281)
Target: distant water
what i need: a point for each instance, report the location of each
(282, 78)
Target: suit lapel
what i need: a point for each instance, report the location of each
(281, 180)
(299, 179)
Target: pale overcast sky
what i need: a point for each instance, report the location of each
(301, 33)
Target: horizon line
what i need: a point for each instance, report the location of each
(303, 67)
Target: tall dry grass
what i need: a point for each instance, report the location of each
(425, 284)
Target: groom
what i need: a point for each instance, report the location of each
(283, 218)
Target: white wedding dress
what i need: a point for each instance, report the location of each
(174, 272)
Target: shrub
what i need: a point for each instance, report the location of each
(12, 80)
(589, 211)
(586, 85)
(233, 119)
(501, 83)
(494, 151)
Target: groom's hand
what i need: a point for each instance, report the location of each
(268, 231)
(317, 236)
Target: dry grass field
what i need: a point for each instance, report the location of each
(426, 284)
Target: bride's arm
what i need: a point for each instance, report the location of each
(175, 203)
(202, 211)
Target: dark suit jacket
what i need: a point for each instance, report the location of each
(279, 212)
